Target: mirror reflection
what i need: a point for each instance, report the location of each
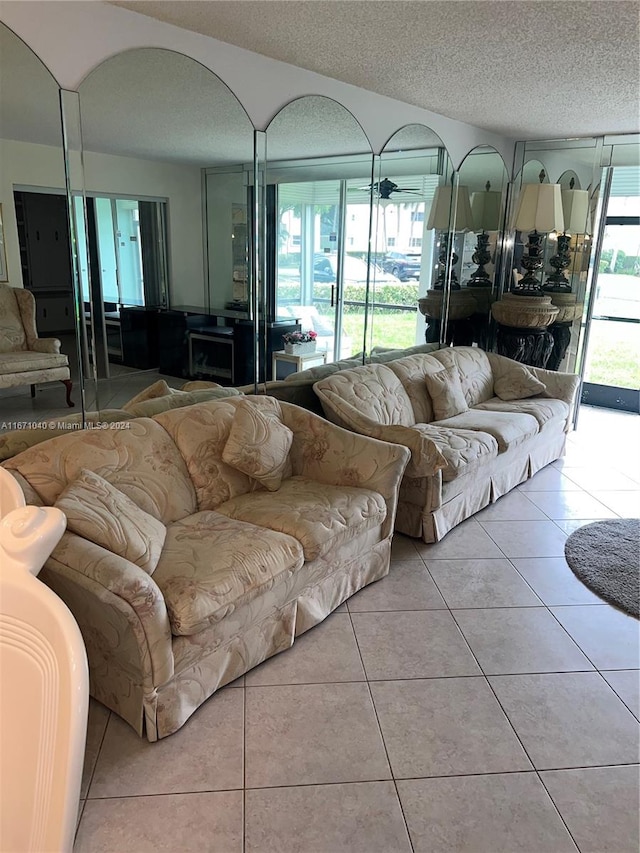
(318, 194)
(38, 336)
(168, 154)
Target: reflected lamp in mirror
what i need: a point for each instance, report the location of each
(539, 212)
(439, 220)
(575, 208)
(485, 208)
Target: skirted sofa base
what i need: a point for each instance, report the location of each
(243, 568)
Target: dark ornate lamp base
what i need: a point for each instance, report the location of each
(460, 332)
(529, 346)
(561, 333)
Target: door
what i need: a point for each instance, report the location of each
(612, 362)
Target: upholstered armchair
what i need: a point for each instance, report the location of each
(26, 359)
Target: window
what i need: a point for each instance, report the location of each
(391, 241)
(417, 215)
(415, 242)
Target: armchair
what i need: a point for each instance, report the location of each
(26, 359)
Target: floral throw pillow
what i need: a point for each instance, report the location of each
(447, 396)
(518, 383)
(258, 445)
(99, 512)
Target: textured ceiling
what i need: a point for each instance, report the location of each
(541, 69)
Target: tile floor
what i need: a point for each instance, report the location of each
(478, 699)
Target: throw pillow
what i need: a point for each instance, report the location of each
(158, 389)
(518, 383)
(99, 512)
(447, 396)
(258, 445)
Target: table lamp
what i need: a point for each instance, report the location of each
(539, 212)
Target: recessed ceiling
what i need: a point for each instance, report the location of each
(522, 68)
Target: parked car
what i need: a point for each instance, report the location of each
(403, 266)
(325, 268)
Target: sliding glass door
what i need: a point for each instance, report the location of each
(612, 363)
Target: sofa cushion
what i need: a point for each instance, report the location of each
(212, 564)
(445, 390)
(508, 428)
(258, 445)
(382, 355)
(320, 516)
(474, 366)
(99, 512)
(411, 372)
(464, 450)
(22, 361)
(543, 409)
(136, 456)
(373, 389)
(158, 389)
(518, 383)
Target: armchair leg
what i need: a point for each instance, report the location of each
(68, 385)
(33, 390)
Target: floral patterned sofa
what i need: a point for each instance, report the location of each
(203, 540)
(477, 425)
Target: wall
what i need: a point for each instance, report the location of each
(72, 38)
(37, 166)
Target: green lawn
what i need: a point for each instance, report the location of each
(614, 354)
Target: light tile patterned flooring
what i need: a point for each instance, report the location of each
(479, 698)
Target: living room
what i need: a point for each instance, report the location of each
(142, 84)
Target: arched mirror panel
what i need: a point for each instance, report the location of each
(540, 320)
(168, 182)
(318, 196)
(481, 197)
(38, 331)
(411, 240)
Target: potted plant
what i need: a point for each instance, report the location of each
(297, 343)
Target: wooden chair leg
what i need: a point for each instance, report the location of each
(68, 385)
(33, 390)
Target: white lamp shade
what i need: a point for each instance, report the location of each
(441, 205)
(575, 206)
(486, 208)
(539, 208)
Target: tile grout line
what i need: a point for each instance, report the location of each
(375, 711)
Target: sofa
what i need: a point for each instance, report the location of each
(477, 425)
(205, 539)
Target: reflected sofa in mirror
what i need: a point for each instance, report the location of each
(36, 247)
(318, 199)
(168, 154)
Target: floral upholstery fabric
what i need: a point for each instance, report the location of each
(19, 362)
(374, 390)
(141, 461)
(543, 409)
(12, 333)
(508, 428)
(99, 512)
(178, 400)
(411, 371)
(211, 565)
(157, 389)
(464, 450)
(476, 375)
(445, 390)
(318, 515)
(258, 445)
(517, 383)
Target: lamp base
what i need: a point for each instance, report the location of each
(526, 345)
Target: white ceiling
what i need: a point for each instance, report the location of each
(529, 69)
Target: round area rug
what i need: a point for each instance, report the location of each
(605, 556)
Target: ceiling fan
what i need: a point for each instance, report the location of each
(383, 189)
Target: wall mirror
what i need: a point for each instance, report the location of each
(35, 247)
(482, 190)
(318, 210)
(412, 231)
(168, 160)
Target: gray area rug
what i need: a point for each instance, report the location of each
(605, 556)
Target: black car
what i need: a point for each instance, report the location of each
(403, 266)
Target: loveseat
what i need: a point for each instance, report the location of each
(203, 540)
(477, 425)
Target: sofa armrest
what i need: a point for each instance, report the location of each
(128, 590)
(426, 459)
(329, 454)
(46, 345)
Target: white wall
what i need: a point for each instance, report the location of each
(72, 38)
(42, 166)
